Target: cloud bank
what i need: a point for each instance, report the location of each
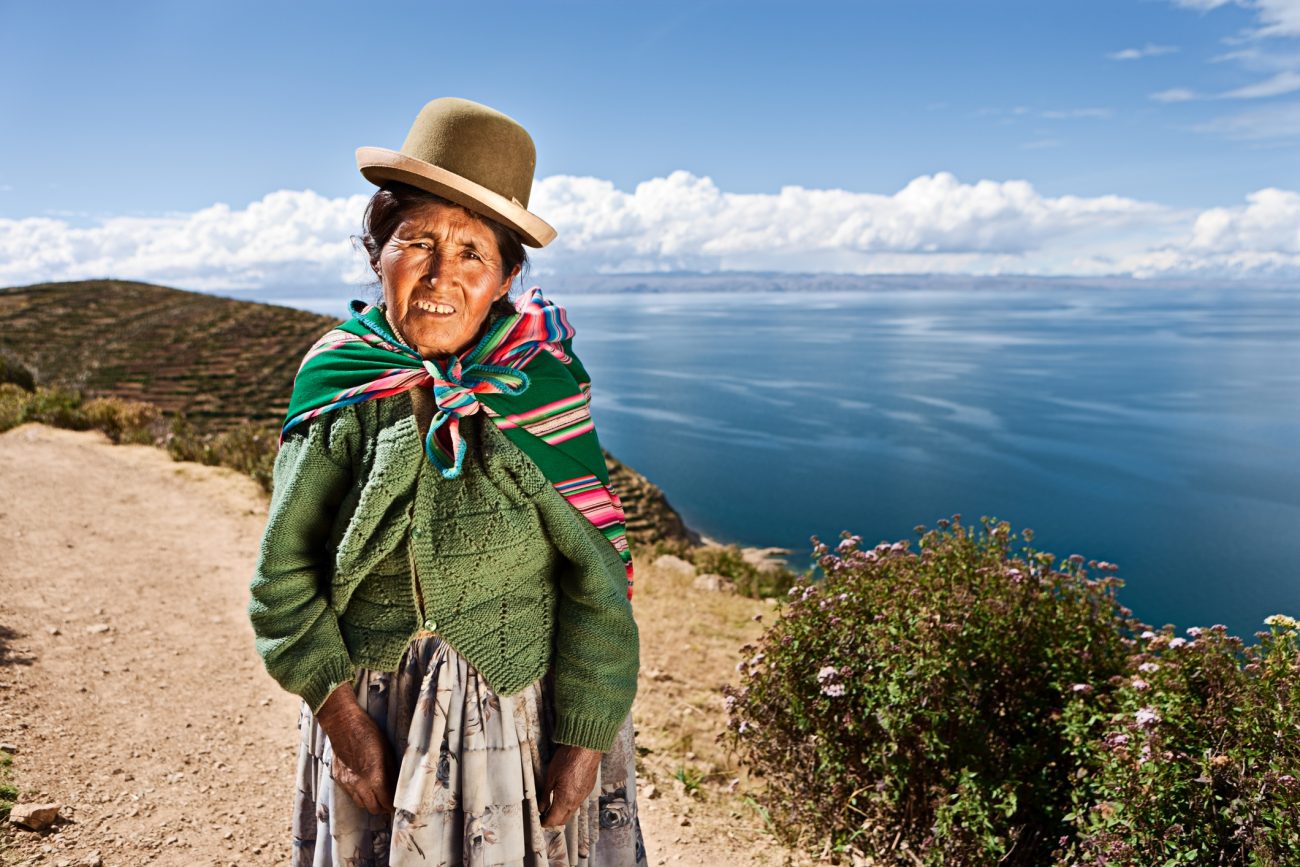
(298, 239)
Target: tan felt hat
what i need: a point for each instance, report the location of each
(471, 154)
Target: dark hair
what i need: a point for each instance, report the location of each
(389, 206)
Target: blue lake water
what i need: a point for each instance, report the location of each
(1155, 428)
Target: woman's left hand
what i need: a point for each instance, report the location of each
(570, 777)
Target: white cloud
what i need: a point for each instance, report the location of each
(1148, 50)
(685, 222)
(1261, 238)
(288, 237)
(935, 223)
(1270, 223)
(1283, 82)
(1204, 5)
(1068, 113)
(1279, 17)
(1174, 94)
(1277, 123)
(1050, 114)
(1275, 17)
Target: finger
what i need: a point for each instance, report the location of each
(561, 810)
(367, 799)
(544, 804)
(384, 799)
(356, 793)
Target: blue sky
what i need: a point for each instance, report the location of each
(1114, 136)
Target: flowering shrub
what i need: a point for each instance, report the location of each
(910, 704)
(1198, 754)
(970, 704)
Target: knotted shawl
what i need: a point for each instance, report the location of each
(522, 373)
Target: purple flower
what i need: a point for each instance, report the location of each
(1147, 717)
(1139, 684)
(826, 673)
(833, 689)
(1177, 642)
(1148, 635)
(1194, 631)
(1148, 667)
(1081, 687)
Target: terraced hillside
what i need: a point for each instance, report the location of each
(218, 360)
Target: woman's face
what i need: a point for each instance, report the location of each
(441, 271)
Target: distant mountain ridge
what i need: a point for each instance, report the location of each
(218, 360)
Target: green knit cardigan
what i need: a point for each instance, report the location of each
(365, 544)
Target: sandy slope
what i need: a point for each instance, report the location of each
(162, 736)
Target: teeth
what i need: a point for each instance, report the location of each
(435, 308)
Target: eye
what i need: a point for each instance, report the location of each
(471, 253)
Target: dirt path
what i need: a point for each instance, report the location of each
(131, 689)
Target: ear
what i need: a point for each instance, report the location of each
(505, 284)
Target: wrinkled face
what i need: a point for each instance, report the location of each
(441, 272)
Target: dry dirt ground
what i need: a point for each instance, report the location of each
(132, 694)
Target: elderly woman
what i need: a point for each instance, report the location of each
(444, 578)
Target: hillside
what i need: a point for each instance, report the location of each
(217, 359)
(220, 361)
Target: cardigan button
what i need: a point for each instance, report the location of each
(430, 624)
(416, 532)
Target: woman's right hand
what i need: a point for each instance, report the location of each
(364, 763)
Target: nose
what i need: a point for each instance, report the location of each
(433, 266)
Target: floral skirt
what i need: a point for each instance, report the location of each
(472, 764)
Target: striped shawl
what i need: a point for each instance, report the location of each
(523, 374)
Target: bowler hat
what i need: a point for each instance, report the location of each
(471, 154)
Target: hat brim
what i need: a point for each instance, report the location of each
(378, 165)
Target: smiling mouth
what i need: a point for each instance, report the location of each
(434, 307)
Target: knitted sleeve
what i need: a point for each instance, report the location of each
(297, 633)
(597, 647)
